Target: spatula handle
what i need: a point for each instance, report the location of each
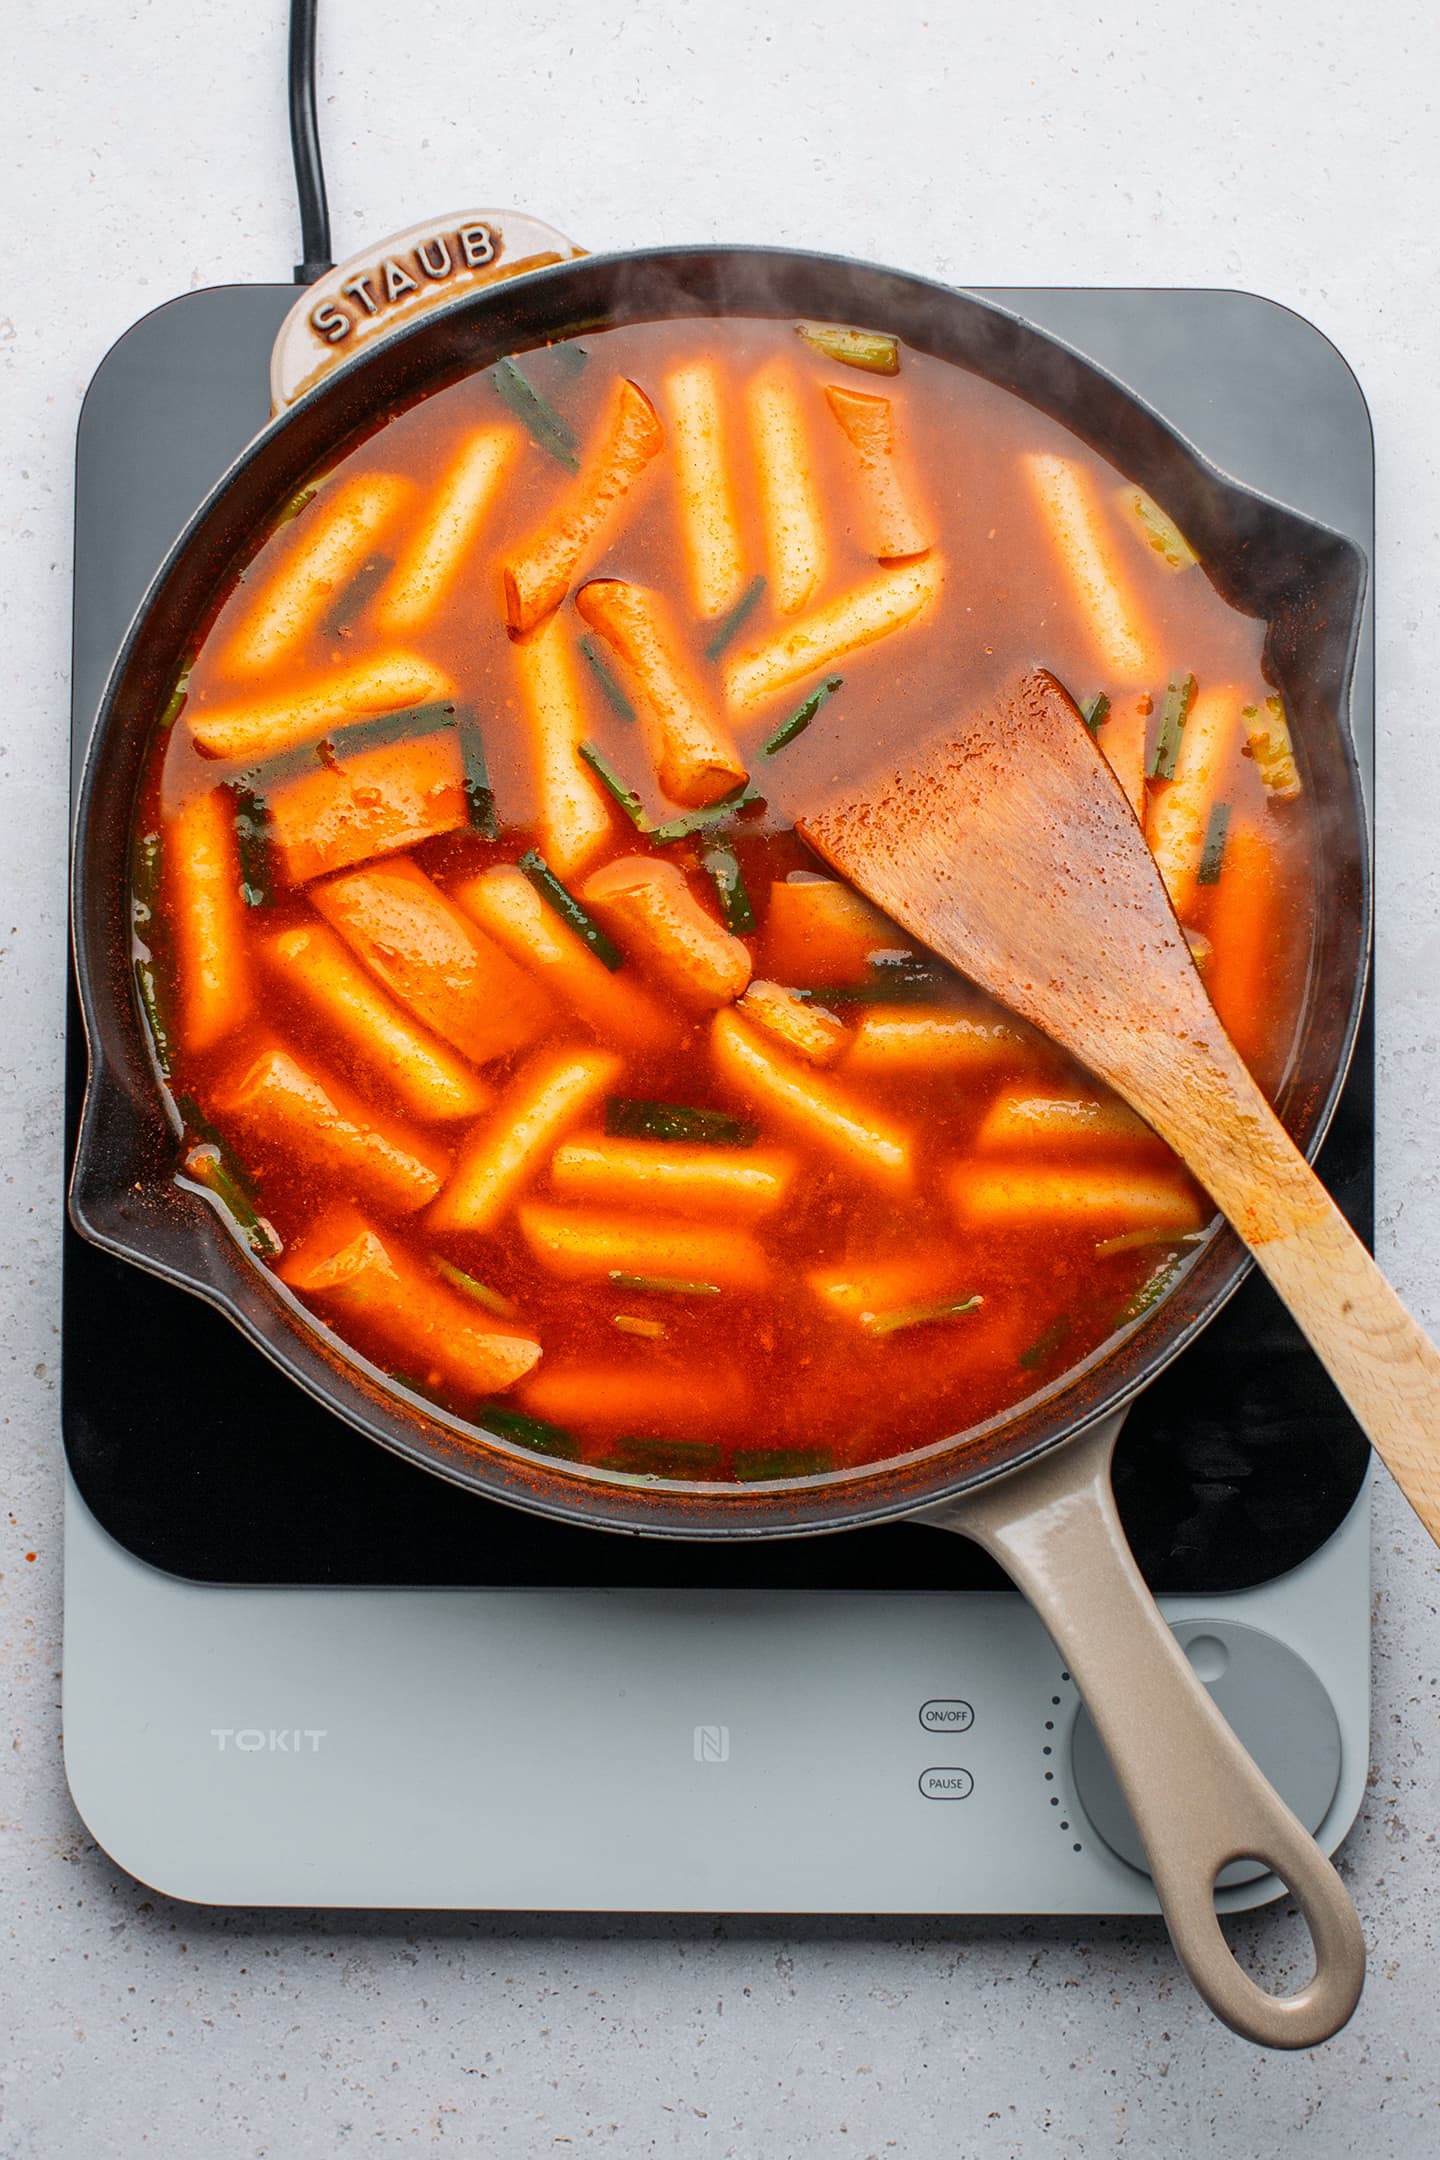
(1383, 1364)
(1386, 1368)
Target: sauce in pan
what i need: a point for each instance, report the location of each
(511, 1022)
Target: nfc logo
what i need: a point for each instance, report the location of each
(712, 1743)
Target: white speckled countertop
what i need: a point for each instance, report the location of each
(1288, 148)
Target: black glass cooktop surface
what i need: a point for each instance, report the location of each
(200, 1458)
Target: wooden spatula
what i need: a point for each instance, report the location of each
(1007, 846)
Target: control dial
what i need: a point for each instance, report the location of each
(1273, 1703)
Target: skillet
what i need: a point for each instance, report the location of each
(1033, 1485)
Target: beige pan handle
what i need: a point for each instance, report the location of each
(1198, 1800)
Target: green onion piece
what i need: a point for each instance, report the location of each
(401, 1378)
(800, 719)
(1047, 1344)
(568, 908)
(695, 1459)
(350, 604)
(530, 1432)
(150, 1004)
(296, 504)
(635, 1118)
(630, 1323)
(871, 993)
(756, 1463)
(535, 413)
(1163, 534)
(570, 358)
(175, 703)
(734, 618)
(682, 828)
(1137, 1240)
(1095, 711)
(906, 980)
(874, 350)
(479, 795)
(1179, 697)
(612, 783)
(908, 1316)
(196, 1122)
(252, 840)
(389, 727)
(145, 867)
(729, 881)
(209, 1165)
(481, 1292)
(1151, 1291)
(614, 696)
(1267, 740)
(1212, 855)
(668, 1285)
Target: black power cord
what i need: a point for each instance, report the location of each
(305, 147)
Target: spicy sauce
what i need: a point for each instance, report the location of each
(599, 1114)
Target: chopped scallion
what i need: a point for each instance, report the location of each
(1095, 711)
(735, 618)
(1163, 534)
(535, 413)
(614, 696)
(636, 1118)
(209, 1166)
(148, 994)
(668, 1285)
(385, 728)
(1179, 697)
(1047, 1344)
(754, 1464)
(905, 980)
(296, 504)
(1151, 1291)
(693, 1459)
(146, 864)
(1267, 740)
(874, 350)
(351, 604)
(528, 1432)
(684, 828)
(197, 1123)
(908, 1316)
(252, 841)
(1212, 855)
(612, 783)
(728, 878)
(479, 795)
(630, 1323)
(568, 908)
(1137, 1240)
(801, 718)
(481, 1292)
(175, 703)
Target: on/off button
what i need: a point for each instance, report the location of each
(946, 1714)
(946, 1784)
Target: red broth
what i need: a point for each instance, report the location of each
(617, 1128)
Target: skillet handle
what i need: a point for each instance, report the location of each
(1197, 1799)
(397, 281)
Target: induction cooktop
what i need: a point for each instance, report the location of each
(299, 1670)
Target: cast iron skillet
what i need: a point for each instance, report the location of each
(1032, 1486)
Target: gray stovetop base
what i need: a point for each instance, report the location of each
(620, 1751)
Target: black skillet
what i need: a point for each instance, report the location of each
(1035, 1482)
